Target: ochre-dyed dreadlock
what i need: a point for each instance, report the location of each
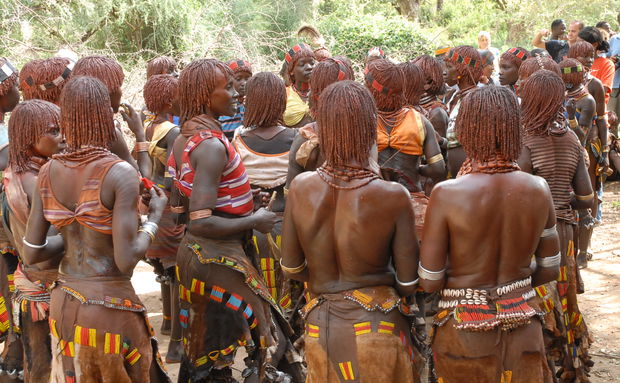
(414, 83)
(6, 85)
(470, 71)
(580, 49)
(385, 81)
(160, 65)
(573, 73)
(347, 122)
(542, 98)
(516, 56)
(534, 64)
(41, 79)
(160, 92)
(29, 121)
(265, 100)
(433, 70)
(105, 69)
(487, 133)
(196, 83)
(86, 117)
(326, 73)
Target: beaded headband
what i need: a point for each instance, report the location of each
(6, 71)
(290, 55)
(55, 82)
(236, 65)
(376, 85)
(376, 51)
(457, 58)
(342, 69)
(519, 53)
(572, 69)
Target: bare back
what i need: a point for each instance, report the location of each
(488, 225)
(350, 238)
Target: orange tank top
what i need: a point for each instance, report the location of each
(90, 211)
(407, 136)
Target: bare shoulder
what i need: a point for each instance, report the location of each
(303, 180)
(122, 171)
(532, 183)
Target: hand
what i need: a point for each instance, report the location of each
(265, 220)
(261, 198)
(545, 32)
(571, 108)
(134, 121)
(157, 202)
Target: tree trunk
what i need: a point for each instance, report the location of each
(408, 8)
(439, 5)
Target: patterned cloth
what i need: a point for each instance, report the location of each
(231, 123)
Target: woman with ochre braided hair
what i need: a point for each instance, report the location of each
(552, 151)
(34, 133)
(225, 303)
(99, 327)
(403, 134)
(161, 100)
(433, 88)
(44, 79)
(264, 146)
(300, 60)
(11, 357)
(305, 154)
(242, 72)
(463, 68)
(509, 64)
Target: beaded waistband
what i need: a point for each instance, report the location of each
(452, 297)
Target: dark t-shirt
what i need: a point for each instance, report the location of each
(558, 49)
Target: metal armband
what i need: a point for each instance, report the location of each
(553, 261)
(430, 275)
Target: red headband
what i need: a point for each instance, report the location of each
(239, 65)
(376, 85)
(457, 58)
(377, 50)
(290, 55)
(520, 54)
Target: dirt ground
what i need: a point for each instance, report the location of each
(600, 304)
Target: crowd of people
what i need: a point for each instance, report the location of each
(427, 221)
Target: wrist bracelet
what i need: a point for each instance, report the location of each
(294, 270)
(407, 284)
(33, 245)
(151, 235)
(142, 146)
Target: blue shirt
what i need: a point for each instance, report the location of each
(229, 124)
(614, 50)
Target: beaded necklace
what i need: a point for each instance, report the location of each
(346, 174)
(82, 156)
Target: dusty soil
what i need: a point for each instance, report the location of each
(600, 304)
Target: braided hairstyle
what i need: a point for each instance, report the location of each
(489, 132)
(580, 49)
(413, 82)
(41, 73)
(29, 121)
(265, 100)
(471, 71)
(385, 81)
(86, 116)
(573, 73)
(105, 69)
(9, 83)
(160, 91)
(295, 54)
(542, 98)
(433, 70)
(240, 66)
(160, 65)
(327, 72)
(347, 123)
(196, 83)
(516, 56)
(534, 64)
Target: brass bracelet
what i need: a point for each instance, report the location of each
(573, 123)
(436, 158)
(294, 270)
(199, 214)
(584, 197)
(142, 146)
(151, 235)
(285, 192)
(177, 209)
